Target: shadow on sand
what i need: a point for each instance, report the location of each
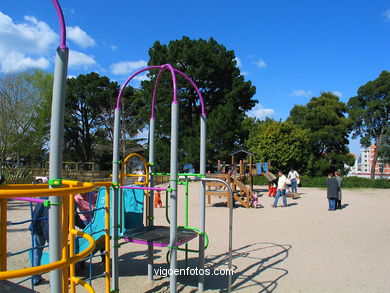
(343, 206)
(257, 267)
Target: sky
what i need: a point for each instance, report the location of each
(290, 50)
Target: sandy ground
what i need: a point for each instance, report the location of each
(302, 248)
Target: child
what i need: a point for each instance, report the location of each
(85, 203)
(157, 200)
(272, 187)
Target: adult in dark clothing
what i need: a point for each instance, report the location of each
(340, 195)
(332, 191)
(39, 228)
(40, 232)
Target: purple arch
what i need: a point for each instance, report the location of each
(61, 21)
(118, 101)
(202, 105)
(155, 92)
(162, 69)
(188, 79)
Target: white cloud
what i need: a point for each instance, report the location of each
(337, 93)
(301, 93)
(245, 73)
(79, 37)
(113, 47)
(141, 77)
(238, 61)
(25, 45)
(126, 67)
(80, 60)
(32, 36)
(387, 14)
(260, 112)
(260, 63)
(14, 62)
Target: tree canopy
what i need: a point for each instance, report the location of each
(226, 93)
(325, 119)
(282, 143)
(24, 115)
(90, 104)
(370, 114)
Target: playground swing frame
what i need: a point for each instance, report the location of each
(173, 177)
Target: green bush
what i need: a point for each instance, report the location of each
(348, 182)
(18, 175)
(260, 180)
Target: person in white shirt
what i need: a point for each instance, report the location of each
(141, 179)
(281, 190)
(293, 176)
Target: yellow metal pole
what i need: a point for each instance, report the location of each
(3, 235)
(65, 252)
(107, 245)
(72, 267)
(147, 217)
(84, 284)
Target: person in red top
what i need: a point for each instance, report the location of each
(85, 203)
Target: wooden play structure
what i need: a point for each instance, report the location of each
(237, 175)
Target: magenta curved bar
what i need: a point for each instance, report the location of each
(118, 101)
(196, 89)
(61, 21)
(162, 69)
(202, 105)
(155, 91)
(173, 82)
(30, 199)
(143, 188)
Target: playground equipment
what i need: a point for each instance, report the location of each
(152, 235)
(61, 204)
(61, 208)
(68, 258)
(58, 206)
(237, 174)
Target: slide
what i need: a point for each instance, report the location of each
(269, 176)
(131, 206)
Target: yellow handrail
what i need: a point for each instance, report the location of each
(83, 283)
(122, 173)
(68, 188)
(52, 266)
(39, 190)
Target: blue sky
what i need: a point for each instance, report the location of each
(290, 50)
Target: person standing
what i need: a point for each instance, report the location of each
(293, 176)
(340, 195)
(39, 228)
(332, 191)
(85, 204)
(281, 190)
